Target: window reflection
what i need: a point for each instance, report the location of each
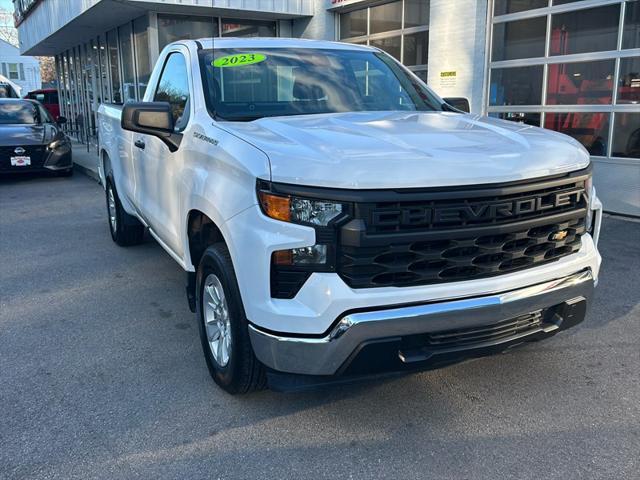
(353, 24)
(416, 48)
(386, 17)
(248, 28)
(590, 129)
(631, 35)
(183, 27)
(513, 6)
(390, 45)
(580, 83)
(629, 83)
(126, 53)
(519, 39)
(582, 31)
(516, 86)
(416, 13)
(527, 118)
(626, 135)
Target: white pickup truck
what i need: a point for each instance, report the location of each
(337, 219)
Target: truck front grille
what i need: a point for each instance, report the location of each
(487, 333)
(462, 235)
(458, 258)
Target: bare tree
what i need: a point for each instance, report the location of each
(8, 32)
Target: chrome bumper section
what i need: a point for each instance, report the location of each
(325, 355)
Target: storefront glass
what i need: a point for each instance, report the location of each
(400, 28)
(580, 59)
(114, 66)
(183, 27)
(248, 28)
(126, 57)
(143, 57)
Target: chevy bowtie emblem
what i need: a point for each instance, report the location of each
(561, 235)
(19, 151)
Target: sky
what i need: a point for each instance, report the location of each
(7, 5)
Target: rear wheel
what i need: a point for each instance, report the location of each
(125, 229)
(223, 325)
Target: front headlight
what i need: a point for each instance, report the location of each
(299, 210)
(62, 142)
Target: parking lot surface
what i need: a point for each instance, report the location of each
(102, 376)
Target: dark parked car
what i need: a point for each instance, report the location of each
(30, 140)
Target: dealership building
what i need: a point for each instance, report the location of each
(568, 65)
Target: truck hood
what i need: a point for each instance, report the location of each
(407, 149)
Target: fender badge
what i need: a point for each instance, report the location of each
(204, 138)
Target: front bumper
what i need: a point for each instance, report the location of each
(402, 337)
(59, 159)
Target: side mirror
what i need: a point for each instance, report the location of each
(459, 103)
(61, 120)
(151, 118)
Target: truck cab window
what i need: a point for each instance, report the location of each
(173, 87)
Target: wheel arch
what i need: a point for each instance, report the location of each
(201, 231)
(104, 165)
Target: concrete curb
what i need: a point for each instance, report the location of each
(86, 171)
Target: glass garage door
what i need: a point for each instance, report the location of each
(574, 66)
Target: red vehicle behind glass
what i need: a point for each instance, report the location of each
(48, 97)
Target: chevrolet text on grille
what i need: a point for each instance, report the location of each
(418, 215)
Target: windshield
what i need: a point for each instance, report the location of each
(246, 84)
(19, 113)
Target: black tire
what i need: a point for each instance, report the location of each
(243, 372)
(127, 229)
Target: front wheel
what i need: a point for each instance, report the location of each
(223, 325)
(125, 229)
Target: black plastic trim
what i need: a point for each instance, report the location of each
(427, 193)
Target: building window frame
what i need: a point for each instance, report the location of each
(13, 71)
(616, 55)
(368, 37)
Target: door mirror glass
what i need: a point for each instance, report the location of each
(459, 103)
(151, 118)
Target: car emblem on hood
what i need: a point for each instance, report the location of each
(19, 150)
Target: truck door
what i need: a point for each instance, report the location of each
(158, 171)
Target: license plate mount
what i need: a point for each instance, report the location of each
(20, 161)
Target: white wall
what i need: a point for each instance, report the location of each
(457, 43)
(320, 27)
(30, 67)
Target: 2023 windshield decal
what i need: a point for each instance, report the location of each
(239, 60)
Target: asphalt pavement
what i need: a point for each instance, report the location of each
(102, 376)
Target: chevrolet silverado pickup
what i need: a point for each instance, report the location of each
(337, 219)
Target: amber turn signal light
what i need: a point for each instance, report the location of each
(276, 206)
(282, 257)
